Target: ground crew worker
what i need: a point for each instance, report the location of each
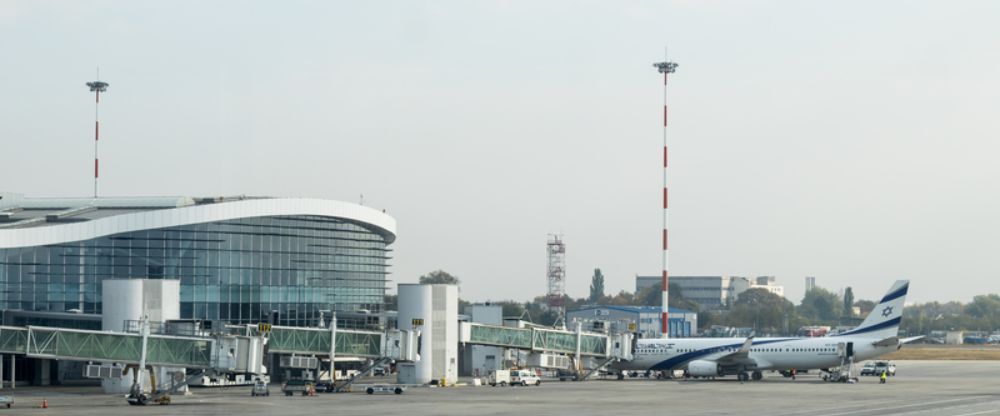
(882, 381)
(793, 374)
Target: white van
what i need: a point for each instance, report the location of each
(514, 378)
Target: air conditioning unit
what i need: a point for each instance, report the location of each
(102, 371)
(296, 361)
(546, 360)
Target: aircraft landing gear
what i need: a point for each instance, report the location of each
(757, 375)
(743, 376)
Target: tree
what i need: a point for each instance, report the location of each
(511, 308)
(821, 306)
(865, 306)
(623, 298)
(596, 286)
(439, 277)
(762, 310)
(653, 296)
(848, 302)
(984, 307)
(707, 318)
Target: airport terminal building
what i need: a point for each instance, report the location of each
(238, 259)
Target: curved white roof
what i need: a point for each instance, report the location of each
(60, 232)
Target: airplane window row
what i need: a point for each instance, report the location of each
(686, 350)
(793, 349)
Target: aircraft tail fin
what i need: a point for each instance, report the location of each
(883, 321)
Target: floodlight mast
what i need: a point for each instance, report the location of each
(97, 87)
(665, 68)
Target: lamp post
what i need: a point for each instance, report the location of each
(97, 87)
(665, 68)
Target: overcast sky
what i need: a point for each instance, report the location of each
(852, 141)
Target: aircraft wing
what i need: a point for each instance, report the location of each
(888, 342)
(739, 357)
(895, 341)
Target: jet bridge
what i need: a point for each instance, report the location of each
(224, 353)
(218, 352)
(316, 341)
(586, 344)
(393, 344)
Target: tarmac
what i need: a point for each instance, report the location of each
(958, 388)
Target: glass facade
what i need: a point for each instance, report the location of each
(236, 270)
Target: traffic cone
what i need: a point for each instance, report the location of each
(45, 403)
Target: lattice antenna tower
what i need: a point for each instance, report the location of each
(557, 275)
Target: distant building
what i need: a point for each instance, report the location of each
(709, 292)
(643, 282)
(713, 292)
(646, 320)
(768, 283)
(810, 283)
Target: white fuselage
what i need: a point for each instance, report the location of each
(767, 353)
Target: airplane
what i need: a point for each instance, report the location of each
(748, 357)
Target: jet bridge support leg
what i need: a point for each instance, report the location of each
(598, 368)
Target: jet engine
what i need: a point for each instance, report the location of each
(704, 368)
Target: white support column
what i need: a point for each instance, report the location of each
(1, 371)
(579, 338)
(333, 347)
(144, 331)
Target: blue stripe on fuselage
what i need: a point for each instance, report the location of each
(674, 362)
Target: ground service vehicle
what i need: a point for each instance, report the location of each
(298, 385)
(567, 375)
(137, 396)
(499, 378)
(514, 378)
(525, 378)
(887, 366)
(259, 389)
(384, 388)
(325, 386)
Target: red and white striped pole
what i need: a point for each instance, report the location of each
(665, 68)
(97, 87)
